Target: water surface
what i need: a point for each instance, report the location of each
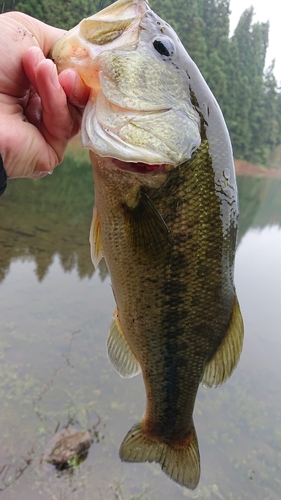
(54, 315)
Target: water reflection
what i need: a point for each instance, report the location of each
(54, 316)
(260, 202)
(41, 219)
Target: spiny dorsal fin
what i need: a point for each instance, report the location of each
(147, 229)
(221, 366)
(95, 239)
(180, 462)
(119, 352)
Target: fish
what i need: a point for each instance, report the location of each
(165, 220)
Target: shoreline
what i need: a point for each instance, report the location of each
(253, 170)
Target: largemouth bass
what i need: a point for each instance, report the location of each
(165, 220)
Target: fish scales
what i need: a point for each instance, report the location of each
(165, 220)
(164, 306)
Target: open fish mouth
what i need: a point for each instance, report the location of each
(142, 168)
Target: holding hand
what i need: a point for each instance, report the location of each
(39, 110)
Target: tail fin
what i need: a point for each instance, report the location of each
(181, 462)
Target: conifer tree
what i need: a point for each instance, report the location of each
(271, 112)
(216, 30)
(233, 67)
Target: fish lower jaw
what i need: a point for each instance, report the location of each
(106, 143)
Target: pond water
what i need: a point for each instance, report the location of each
(54, 315)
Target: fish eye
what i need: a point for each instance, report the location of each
(165, 48)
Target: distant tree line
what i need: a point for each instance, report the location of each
(234, 67)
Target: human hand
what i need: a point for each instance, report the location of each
(39, 110)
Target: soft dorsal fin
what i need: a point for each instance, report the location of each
(221, 366)
(119, 351)
(95, 239)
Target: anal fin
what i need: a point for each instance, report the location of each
(95, 239)
(181, 462)
(119, 352)
(221, 366)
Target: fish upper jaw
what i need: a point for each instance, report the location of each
(122, 9)
(116, 26)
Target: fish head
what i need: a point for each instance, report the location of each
(141, 108)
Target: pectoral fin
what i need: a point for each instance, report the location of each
(147, 229)
(95, 239)
(221, 366)
(119, 351)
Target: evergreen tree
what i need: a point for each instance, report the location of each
(271, 113)
(247, 51)
(8, 5)
(62, 14)
(233, 67)
(216, 30)
(278, 115)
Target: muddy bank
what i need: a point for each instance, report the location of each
(253, 170)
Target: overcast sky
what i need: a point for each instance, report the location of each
(265, 10)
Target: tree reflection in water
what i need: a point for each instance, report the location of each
(42, 218)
